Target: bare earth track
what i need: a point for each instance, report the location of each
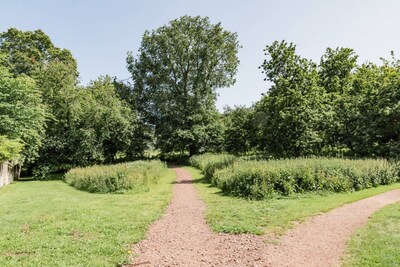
(182, 237)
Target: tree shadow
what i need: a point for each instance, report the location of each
(189, 181)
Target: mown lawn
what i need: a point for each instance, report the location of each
(52, 224)
(238, 215)
(377, 243)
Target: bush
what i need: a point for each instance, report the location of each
(209, 163)
(137, 175)
(264, 179)
(41, 172)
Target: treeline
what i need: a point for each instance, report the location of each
(48, 121)
(335, 107)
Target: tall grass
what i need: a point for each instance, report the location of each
(137, 176)
(209, 163)
(264, 179)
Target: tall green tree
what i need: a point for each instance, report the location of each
(336, 71)
(58, 84)
(176, 74)
(54, 71)
(378, 124)
(22, 113)
(293, 107)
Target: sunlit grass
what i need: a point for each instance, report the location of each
(53, 224)
(377, 243)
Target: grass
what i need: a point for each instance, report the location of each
(238, 215)
(377, 243)
(49, 223)
(133, 176)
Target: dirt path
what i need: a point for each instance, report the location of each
(182, 237)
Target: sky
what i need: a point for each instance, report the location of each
(100, 33)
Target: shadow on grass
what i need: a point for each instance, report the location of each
(209, 185)
(51, 177)
(191, 181)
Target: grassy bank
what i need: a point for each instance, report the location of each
(52, 224)
(238, 215)
(377, 243)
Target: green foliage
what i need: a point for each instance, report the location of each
(240, 132)
(29, 51)
(89, 125)
(337, 108)
(83, 125)
(22, 114)
(137, 176)
(265, 179)
(209, 163)
(293, 107)
(103, 125)
(378, 120)
(41, 172)
(58, 83)
(336, 77)
(176, 73)
(9, 149)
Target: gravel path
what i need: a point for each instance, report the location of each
(182, 237)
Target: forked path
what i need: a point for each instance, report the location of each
(182, 237)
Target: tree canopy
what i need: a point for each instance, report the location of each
(22, 113)
(293, 105)
(27, 51)
(176, 74)
(332, 107)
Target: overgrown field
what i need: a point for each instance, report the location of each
(136, 176)
(266, 179)
(49, 223)
(235, 215)
(377, 243)
(209, 163)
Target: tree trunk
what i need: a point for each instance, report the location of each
(16, 171)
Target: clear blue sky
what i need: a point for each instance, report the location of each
(99, 33)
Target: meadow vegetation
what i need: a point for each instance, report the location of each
(266, 179)
(118, 178)
(209, 163)
(237, 215)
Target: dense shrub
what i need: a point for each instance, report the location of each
(209, 163)
(41, 172)
(263, 179)
(137, 175)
